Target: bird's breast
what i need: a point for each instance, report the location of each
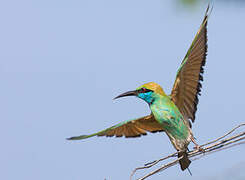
(173, 124)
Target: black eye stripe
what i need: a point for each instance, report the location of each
(144, 90)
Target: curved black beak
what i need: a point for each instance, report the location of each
(129, 93)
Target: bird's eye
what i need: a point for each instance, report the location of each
(143, 90)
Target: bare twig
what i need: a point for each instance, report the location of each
(231, 131)
(216, 145)
(148, 165)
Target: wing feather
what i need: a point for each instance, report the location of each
(133, 128)
(187, 85)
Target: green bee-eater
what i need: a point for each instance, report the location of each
(169, 113)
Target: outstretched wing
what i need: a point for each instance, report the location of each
(187, 85)
(132, 128)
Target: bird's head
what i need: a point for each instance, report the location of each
(145, 92)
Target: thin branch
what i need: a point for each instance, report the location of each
(161, 168)
(231, 131)
(216, 145)
(148, 165)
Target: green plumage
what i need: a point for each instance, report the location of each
(168, 115)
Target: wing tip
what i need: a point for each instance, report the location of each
(77, 137)
(208, 10)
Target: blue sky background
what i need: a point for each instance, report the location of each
(62, 63)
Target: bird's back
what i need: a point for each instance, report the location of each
(168, 115)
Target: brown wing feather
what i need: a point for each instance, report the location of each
(134, 128)
(187, 85)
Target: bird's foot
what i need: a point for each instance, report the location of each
(199, 148)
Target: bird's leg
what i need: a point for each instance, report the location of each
(196, 145)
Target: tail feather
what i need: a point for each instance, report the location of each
(185, 161)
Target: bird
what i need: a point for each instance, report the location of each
(174, 113)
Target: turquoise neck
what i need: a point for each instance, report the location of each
(149, 97)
